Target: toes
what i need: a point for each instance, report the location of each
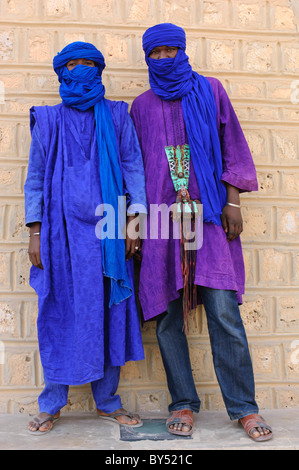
(46, 426)
(32, 427)
(186, 428)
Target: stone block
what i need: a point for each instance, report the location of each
(268, 182)
(5, 271)
(39, 46)
(7, 45)
(292, 360)
(176, 11)
(256, 223)
(256, 313)
(19, 368)
(18, 9)
(157, 371)
(59, 9)
(273, 267)
(249, 15)
(221, 54)
(21, 271)
(260, 57)
(283, 18)
(295, 267)
(259, 144)
(202, 362)
(290, 59)
(287, 397)
(139, 12)
(10, 319)
(287, 317)
(290, 183)
(17, 230)
(267, 361)
(133, 372)
(11, 180)
(8, 143)
(287, 224)
(152, 400)
(214, 13)
(101, 12)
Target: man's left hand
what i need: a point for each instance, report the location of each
(232, 222)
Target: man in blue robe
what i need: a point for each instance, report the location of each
(84, 159)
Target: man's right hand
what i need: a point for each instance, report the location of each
(34, 245)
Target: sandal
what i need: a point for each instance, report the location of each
(184, 416)
(40, 421)
(251, 423)
(122, 412)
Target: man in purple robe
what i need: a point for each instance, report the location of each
(84, 159)
(189, 133)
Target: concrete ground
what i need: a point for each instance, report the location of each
(213, 431)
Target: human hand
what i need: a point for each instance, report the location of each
(34, 246)
(133, 245)
(232, 222)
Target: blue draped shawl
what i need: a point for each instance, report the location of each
(172, 79)
(82, 88)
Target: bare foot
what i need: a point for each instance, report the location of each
(184, 422)
(180, 427)
(34, 426)
(126, 418)
(256, 427)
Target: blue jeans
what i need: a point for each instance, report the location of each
(230, 351)
(54, 396)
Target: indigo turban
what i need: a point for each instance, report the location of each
(173, 79)
(165, 34)
(78, 50)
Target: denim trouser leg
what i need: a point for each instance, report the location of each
(54, 396)
(231, 357)
(232, 362)
(175, 355)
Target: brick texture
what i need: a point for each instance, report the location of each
(252, 47)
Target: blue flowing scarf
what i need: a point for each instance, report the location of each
(172, 79)
(82, 88)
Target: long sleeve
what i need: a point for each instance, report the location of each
(132, 167)
(238, 165)
(35, 180)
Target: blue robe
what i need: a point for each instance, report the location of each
(78, 334)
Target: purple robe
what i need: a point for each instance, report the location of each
(219, 263)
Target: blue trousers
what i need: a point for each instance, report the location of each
(230, 351)
(54, 396)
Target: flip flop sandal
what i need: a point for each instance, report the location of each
(251, 422)
(112, 417)
(40, 422)
(180, 417)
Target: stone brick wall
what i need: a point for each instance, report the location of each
(252, 47)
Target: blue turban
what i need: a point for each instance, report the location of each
(165, 34)
(82, 88)
(78, 50)
(172, 79)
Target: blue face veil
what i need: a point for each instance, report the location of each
(172, 79)
(82, 88)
